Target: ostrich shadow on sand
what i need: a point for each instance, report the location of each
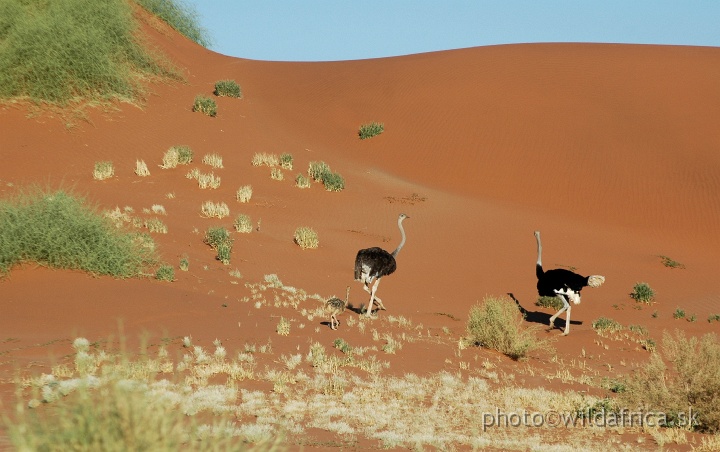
(542, 318)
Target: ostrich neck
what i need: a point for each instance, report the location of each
(539, 249)
(402, 240)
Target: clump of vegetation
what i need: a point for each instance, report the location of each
(212, 209)
(73, 51)
(666, 261)
(370, 130)
(179, 15)
(549, 302)
(227, 88)
(642, 293)
(497, 324)
(714, 317)
(219, 239)
(306, 238)
(333, 182)
(165, 273)
(286, 161)
(243, 223)
(205, 105)
(266, 159)
(302, 181)
(604, 324)
(276, 174)
(103, 170)
(209, 180)
(681, 376)
(156, 225)
(141, 168)
(60, 231)
(320, 172)
(184, 263)
(283, 327)
(213, 160)
(244, 193)
(177, 155)
(679, 314)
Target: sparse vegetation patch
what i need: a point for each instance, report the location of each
(306, 238)
(370, 130)
(642, 293)
(103, 170)
(219, 239)
(227, 88)
(205, 105)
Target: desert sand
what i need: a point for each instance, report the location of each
(612, 151)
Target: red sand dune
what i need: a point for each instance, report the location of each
(612, 151)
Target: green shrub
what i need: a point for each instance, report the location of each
(306, 238)
(103, 170)
(642, 293)
(606, 324)
(666, 261)
(714, 317)
(227, 88)
(165, 273)
(333, 182)
(549, 302)
(60, 231)
(682, 375)
(370, 130)
(184, 264)
(219, 239)
(302, 181)
(679, 314)
(318, 170)
(286, 161)
(497, 324)
(177, 155)
(73, 50)
(179, 15)
(205, 105)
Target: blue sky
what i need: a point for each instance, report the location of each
(329, 30)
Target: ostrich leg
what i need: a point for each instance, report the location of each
(372, 298)
(566, 307)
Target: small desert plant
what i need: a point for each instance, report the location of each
(205, 105)
(318, 170)
(103, 170)
(177, 155)
(227, 88)
(141, 168)
(302, 181)
(165, 273)
(681, 376)
(208, 180)
(219, 239)
(679, 314)
(714, 317)
(604, 324)
(243, 223)
(666, 261)
(370, 130)
(244, 193)
(263, 158)
(211, 209)
(283, 327)
(276, 174)
(549, 302)
(213, 160)
(156, 225)
(497, 324)
(306, 237)
(184, 263)
(642, 293)
(286, 161)
(333, 182)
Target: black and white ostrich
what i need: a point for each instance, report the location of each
(336, 306)
(374, 263)
(563, 284)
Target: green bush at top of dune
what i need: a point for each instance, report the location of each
(73, 50)
(60, 231)
(179, 15)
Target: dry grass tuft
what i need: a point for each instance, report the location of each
(244, 193)
(103, 170)
(141, 168)
(211, 209)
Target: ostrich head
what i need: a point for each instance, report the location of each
(595, 280)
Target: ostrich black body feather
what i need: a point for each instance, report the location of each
(379, 262)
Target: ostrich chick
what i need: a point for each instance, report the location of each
(336, 306)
